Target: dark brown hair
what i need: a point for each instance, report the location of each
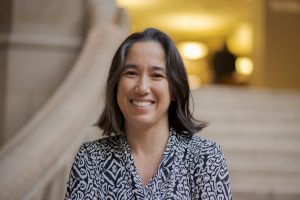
(180, 116)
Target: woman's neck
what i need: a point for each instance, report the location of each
(147, 141)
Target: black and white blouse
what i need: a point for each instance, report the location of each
(192, 167)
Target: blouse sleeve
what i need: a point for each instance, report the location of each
(214, 176)
(81, 179)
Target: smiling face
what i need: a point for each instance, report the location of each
(143, 91)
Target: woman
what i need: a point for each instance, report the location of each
(151, 152)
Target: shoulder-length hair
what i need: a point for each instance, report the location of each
(112, 121)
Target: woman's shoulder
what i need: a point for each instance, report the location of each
(202, 146)
(198, 140)
(101, 146)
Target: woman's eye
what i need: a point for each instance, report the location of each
(130, 73)
(156, 75)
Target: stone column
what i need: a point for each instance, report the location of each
(42, 46)
(5, 28)
(276, 44)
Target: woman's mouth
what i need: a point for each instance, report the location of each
(142, 103)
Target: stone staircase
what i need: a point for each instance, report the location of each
(259, 131)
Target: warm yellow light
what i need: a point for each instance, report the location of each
(193, 50)
(195, 22)
(244, 65)
(194, 81)
(240, 42)
(132, 3)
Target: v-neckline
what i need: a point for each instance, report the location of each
(133, 169)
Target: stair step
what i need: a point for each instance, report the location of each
(253, 131)
(282, 147)
(264, 195)
(262, 182)
(279, 165)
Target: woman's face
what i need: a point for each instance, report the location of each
(143, 91)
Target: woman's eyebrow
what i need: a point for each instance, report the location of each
(157, 68)
(134, 66)
(130, 66)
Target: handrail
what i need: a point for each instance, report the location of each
(35, 164)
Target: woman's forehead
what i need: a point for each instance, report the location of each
(150, 52)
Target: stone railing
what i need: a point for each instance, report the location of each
(34, 165)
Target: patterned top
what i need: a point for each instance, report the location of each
(192, 167)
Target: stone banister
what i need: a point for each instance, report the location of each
(36, 163)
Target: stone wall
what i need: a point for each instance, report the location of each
(40, 40)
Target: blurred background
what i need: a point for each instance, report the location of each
(242, 59)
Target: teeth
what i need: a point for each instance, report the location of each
(142, 103)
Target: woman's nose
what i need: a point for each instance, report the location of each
(142, 86)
